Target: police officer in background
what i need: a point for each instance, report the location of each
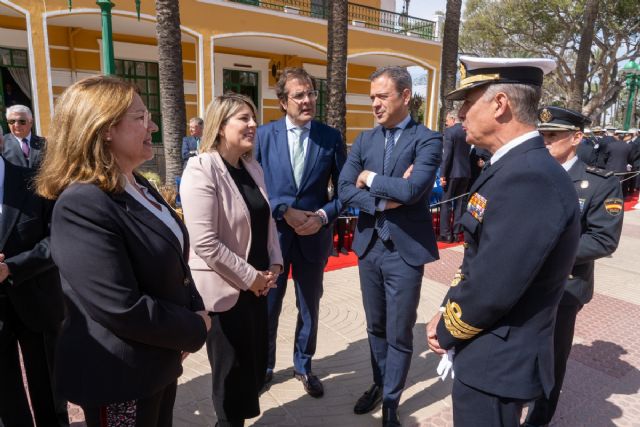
(521, 232)
(601, 212)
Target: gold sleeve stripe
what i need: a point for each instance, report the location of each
(455, 325)
(460, 325)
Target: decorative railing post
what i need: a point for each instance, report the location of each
(107, 37)
(632, 72)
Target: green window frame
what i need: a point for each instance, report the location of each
(10, 58)
(244, 82)
(145, 75)
(321, 102)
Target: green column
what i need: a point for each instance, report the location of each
(632, 70)
(107, 39)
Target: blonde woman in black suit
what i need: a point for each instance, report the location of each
(133, 310)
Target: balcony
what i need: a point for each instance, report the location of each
(359, 16)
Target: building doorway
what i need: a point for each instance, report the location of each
(15, 82)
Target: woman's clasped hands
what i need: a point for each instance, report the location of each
(265, 280)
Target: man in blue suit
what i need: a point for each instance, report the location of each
(300, 156)
(191, 143)
(455, 173)
(388, 176)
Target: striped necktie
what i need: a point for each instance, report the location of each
(382, 225)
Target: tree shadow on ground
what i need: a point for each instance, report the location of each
(595, 374)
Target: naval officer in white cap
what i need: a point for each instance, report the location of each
(521, 232)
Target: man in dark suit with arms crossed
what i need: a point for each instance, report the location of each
(31, 304)
(389, 175)
(521, 232)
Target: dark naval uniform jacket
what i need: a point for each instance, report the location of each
(601, 212)
(521, 232)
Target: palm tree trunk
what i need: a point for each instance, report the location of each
(449, 56)
(172, 101)
(584, 55)
(337, 66)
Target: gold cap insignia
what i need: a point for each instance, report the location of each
(463, 71)
(545, 116)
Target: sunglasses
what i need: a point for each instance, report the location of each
(19, 121)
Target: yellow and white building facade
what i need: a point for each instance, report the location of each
(237, 45)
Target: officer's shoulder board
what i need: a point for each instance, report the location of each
(600, 172)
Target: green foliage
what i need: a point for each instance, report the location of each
(416, 107)
(552, 28)
(153, 178)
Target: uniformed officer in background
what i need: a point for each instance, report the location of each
(521, 230)
(601, 213)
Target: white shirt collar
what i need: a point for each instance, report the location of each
(28, 139)
(291, 125)
(512, 144)
(569, 163)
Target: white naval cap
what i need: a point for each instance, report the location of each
(475, 71)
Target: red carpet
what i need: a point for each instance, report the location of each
(630, 201)
(351, 260)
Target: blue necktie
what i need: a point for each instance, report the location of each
(381, 220)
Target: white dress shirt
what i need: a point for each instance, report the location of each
(511, 145)
(569, 163)
(163, 214)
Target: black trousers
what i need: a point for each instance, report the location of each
(455, 187)
(37, 352)
(473, 408)
(237, 350)
(542, 410)
(151, 411)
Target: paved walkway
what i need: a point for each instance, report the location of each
(601, 387)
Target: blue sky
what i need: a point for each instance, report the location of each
(423, 8)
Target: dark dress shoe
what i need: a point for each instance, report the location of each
(446, 239)
(268, 377)
(369, 400)
(390, 418)
(344, 251)
(311, 383)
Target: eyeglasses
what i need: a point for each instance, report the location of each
(19, 121)
(300, 96)
(145, 117)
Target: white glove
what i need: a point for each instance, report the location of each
(446, 365)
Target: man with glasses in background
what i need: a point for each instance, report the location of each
(21, 147)
(299, 156)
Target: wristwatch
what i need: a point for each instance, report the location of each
(280, 210)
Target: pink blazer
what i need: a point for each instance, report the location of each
(219, 227)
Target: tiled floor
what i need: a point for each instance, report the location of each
(601, 387)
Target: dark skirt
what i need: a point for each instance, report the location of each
(237, 350)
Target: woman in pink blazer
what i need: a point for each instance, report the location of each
(235, 255)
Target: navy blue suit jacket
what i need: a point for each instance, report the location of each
(455, 156)
(410, 224)
(33, 288)
(325, 157)
(521, 228)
